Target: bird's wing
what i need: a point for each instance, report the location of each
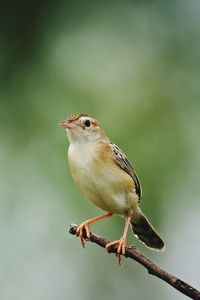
(122, 161)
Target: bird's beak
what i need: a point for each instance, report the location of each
(65, 124)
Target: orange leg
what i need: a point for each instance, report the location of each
(122, 242)
(85, 226)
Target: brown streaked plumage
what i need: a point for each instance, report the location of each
(106, 177)
(124, 163)
(75, 117)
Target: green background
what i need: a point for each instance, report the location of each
(135, 65)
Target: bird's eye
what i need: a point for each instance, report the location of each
(87, 123)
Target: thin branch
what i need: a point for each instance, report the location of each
(151, 267)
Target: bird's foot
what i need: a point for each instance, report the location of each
(121, 246)
(80, 232)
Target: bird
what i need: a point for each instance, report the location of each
(104, 175)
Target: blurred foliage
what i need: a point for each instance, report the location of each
(135, 66)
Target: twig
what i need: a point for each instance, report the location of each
(151, 267)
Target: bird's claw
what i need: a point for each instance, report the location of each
(80, 232)
(121, 248)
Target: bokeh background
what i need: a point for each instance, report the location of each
(135, 65)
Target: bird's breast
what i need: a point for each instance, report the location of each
(100, 179)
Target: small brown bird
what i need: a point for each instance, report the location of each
(105, 176)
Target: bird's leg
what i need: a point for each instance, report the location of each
(85, 226)
(121, 244)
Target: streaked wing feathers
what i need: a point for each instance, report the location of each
(123, 163)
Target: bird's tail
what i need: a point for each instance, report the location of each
(145, 232)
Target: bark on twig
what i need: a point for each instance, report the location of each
(151, 267)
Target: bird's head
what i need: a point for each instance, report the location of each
(82, 128)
